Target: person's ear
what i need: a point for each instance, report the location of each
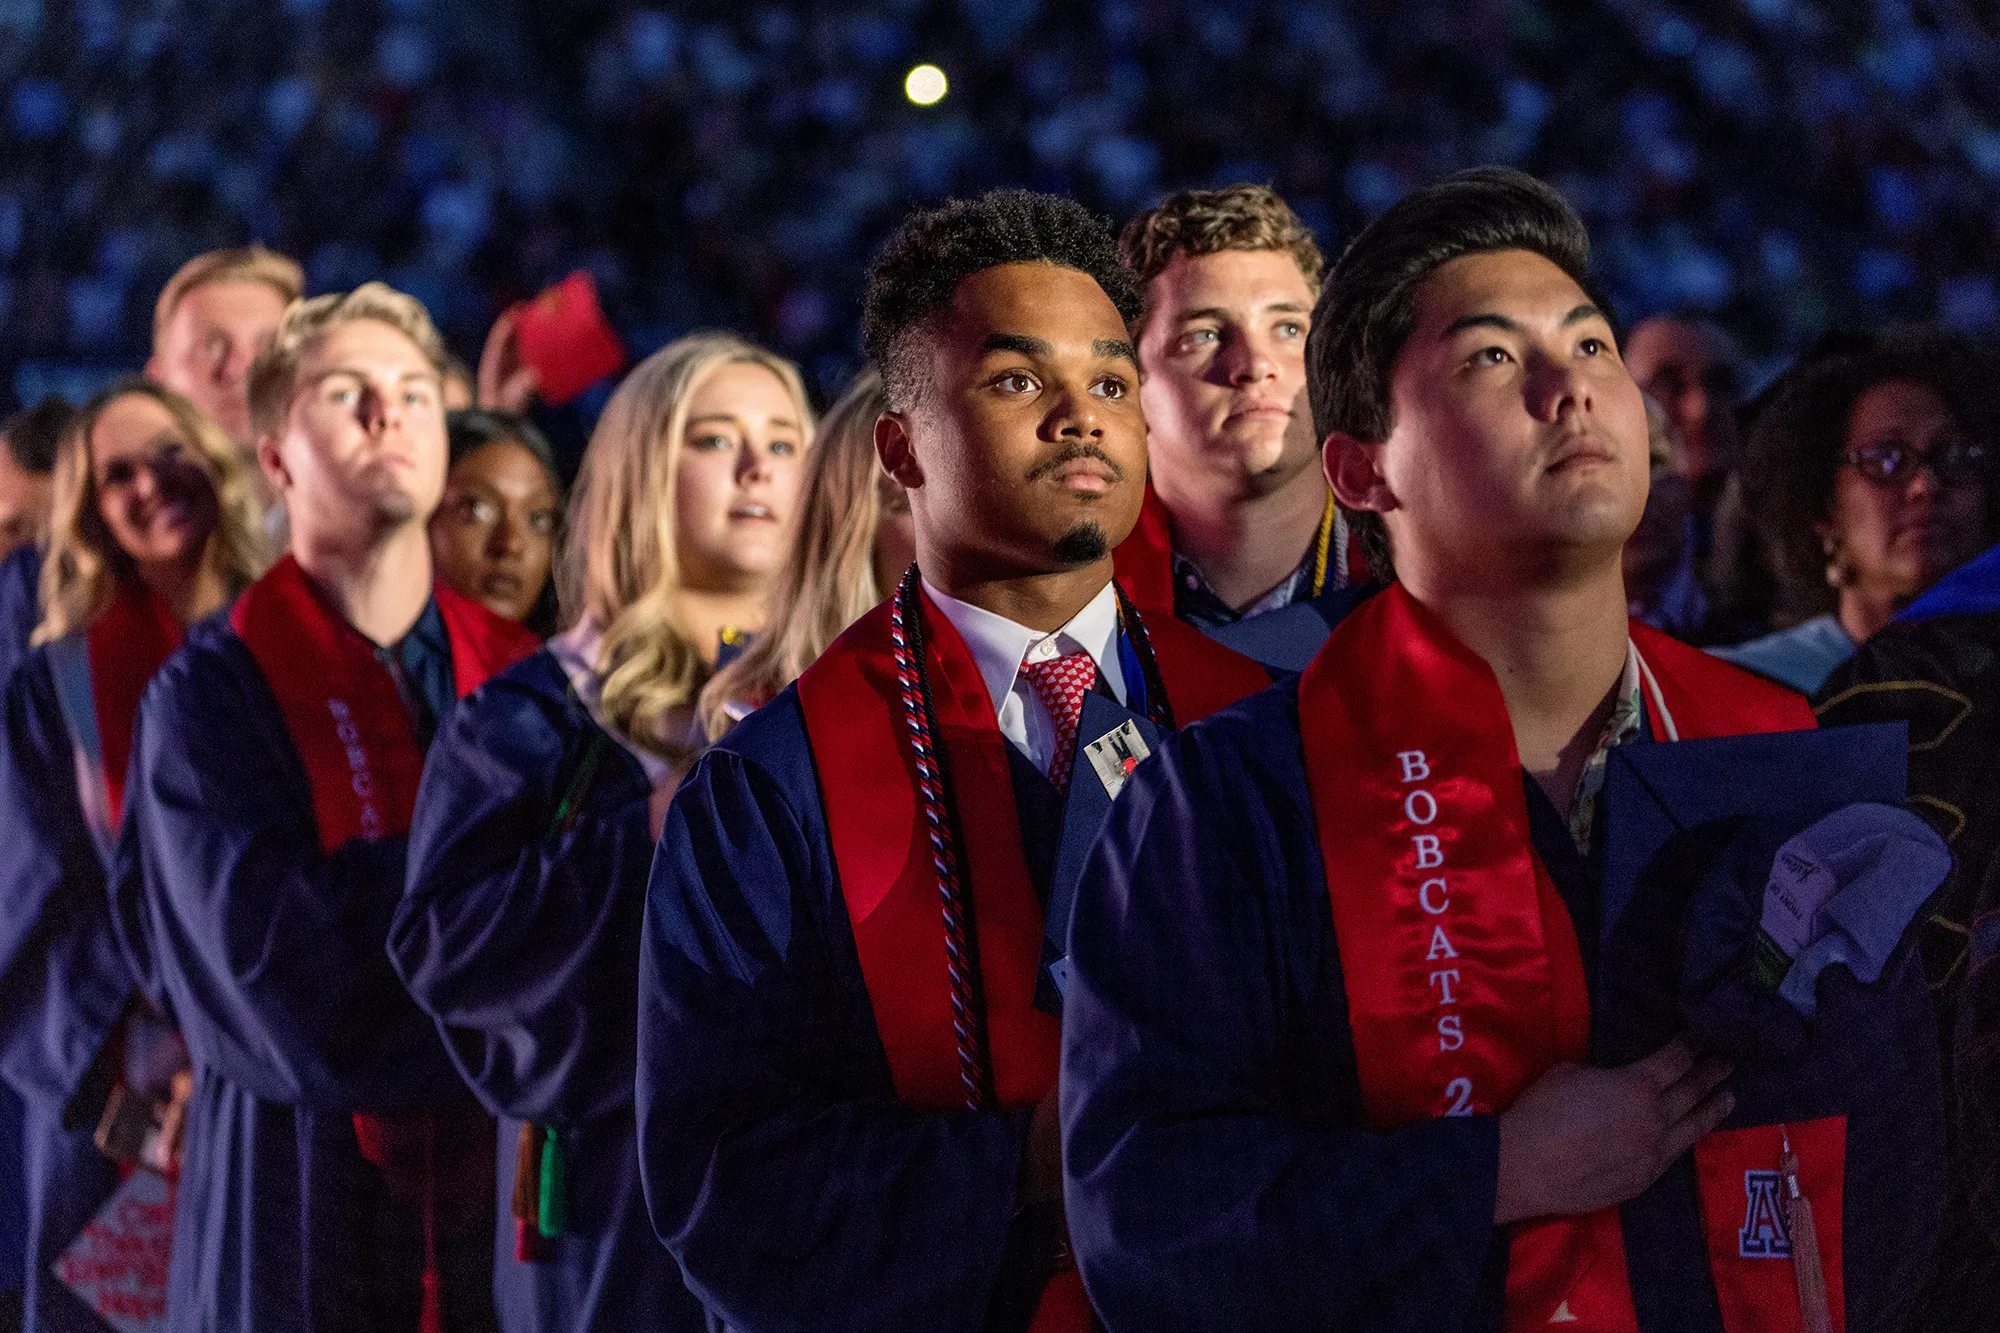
(1354, 471)
(271, 461)
(152, 370)
(898, 454)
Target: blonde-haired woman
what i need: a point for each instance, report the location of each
(156, 525)
(534, 827)
(855, 539)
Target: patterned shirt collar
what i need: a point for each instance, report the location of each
(1627, 714)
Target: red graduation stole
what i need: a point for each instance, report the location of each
(1202, 676)
(342, 710)
(340, 704)
(881, 846)
(1144, 562)
(129, 641)
(1464, 982)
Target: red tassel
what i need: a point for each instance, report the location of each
(432, 1320)
(530, 1245)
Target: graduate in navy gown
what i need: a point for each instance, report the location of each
(337, 1173)
(157, 525)
(1328, 1041)
(24, 505)
(1240, 536)
(541, 803)
(852, 948)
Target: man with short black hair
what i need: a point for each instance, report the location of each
(1334, 987)
(1239, 520)
(854, 939)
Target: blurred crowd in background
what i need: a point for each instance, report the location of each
(734, 165)
(1794, 211)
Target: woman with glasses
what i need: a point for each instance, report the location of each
(1874, 476)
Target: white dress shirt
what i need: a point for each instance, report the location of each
(999, 646)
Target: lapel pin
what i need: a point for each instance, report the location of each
(1115, 754)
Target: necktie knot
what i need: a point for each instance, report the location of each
(1060, 683)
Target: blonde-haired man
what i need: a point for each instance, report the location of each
(1239, 520)
(213, 317)
(337, 1175)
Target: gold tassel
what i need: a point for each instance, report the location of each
(1815, 1315)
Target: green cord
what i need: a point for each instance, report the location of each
(554, 1220)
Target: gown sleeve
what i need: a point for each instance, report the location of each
(20, 604)
(779, 1168)
(63, 984)
(519, 930)
(271, 950)
(1218, 1174)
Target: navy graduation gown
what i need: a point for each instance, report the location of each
(13, 1198)
(1288, 638)
(1298, 1218)
(63, 985)
(269, 954)
(519, 933)
(20, 573)
(1219, 1166)
(20, 603)
(780, 1167)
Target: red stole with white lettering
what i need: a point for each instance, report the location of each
(128, 641)
(355, 737)
(874, 815)
(340, 704)
(1463, 977)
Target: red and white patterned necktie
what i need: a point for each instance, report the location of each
(1060, 683)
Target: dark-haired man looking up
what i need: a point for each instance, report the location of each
(1239, 521)
(1325, 1058)
(847, 1055)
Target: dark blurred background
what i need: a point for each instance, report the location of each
(1787, 167)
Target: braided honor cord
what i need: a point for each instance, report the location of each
(968, 996)
(1159, 709)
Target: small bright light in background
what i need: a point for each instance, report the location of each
(926, 85)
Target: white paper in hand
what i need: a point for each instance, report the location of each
(118, 1266)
